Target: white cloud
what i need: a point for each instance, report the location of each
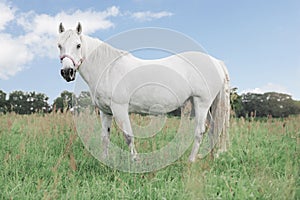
(148, 15)
(47, 24)
(39, 39)
(269, 87)
(14, 55)
(42, 29)
(7, 15)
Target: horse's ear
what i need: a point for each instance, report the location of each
(79, 28)
(61, 28)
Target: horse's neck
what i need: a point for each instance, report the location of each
(95, 47)
(90, 44)
(98, 55)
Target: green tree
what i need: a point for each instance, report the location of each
(236, 102)
(27, 103)
(3, 102)
(84, 100)
(17, 101)
(38, 102)
(58, 104)
(297, 107)
(63, 102)
(270, 103)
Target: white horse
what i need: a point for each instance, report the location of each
(121, 83)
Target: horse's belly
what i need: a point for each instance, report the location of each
(157, 99)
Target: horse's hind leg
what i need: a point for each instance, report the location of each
(201, 110)
(120, 112)
(105, 132)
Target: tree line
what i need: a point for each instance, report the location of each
(263, 105)
(244, 105)
(21, 102)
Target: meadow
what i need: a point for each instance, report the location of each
(41, 157)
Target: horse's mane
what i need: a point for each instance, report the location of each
(104, 54)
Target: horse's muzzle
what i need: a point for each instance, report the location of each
(68, 74)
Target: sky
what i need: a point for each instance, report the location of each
(259, 41)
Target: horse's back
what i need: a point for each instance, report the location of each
(204, 73)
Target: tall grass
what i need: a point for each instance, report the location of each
(41, 157)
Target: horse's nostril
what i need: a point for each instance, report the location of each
(71, 72)
(62, 72)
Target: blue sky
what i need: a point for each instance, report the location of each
(259, 41)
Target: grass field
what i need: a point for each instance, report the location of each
(41, 157)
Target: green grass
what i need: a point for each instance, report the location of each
(41, 157)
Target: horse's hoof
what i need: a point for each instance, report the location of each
(192, 159)
(135, 158)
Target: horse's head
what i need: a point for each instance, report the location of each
(69, 44)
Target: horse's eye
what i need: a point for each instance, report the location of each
(59, 46)
(78, 46)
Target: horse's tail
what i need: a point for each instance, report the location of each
(220, 115)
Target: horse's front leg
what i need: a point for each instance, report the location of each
(120, 112)
(105, 132)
